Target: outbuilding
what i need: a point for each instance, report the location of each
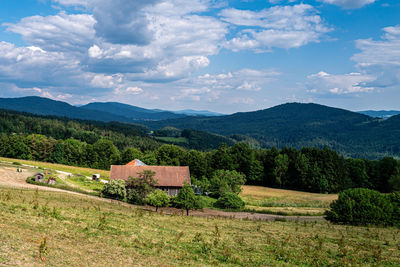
(169, 178)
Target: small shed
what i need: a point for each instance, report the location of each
(96, 177)
(39, 177)
(52, 181)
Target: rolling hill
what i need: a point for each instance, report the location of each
(131, 112)
(45, 106)
(304, 125)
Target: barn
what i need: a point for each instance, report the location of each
(170, 178)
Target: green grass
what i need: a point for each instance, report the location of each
(285, 202)
(60, 167)
(89, 232)
(84, 183)
(64, 186)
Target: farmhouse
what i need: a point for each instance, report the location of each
(170, 178)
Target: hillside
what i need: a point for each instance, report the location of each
(44, 228)
(45, 106)
(132, 112)
(303, 125)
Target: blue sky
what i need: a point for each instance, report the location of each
(224, 56)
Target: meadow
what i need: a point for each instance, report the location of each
(257, 198)
(41, 228)
(285, 202)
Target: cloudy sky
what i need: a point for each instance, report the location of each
(224, 56)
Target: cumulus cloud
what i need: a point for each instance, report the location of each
(378, 64)
(381, 58)
(349, 4)
(122, 21)
(59, 33)
(279, 26)
(226, 86)
(34, 66)
(325, 83)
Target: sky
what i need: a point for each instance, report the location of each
(217, 55)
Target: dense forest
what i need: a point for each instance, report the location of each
(98, 145)
(304, 125)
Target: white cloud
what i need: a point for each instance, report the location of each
(279, 26)
(378, 64)
(134, 90)
(33, 65)
(324, 83)
(349, 4)
(59, 33)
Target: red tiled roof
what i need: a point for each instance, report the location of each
(167, 176)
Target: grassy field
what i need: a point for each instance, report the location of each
(60, 167)
(56, 229)
(285, 202)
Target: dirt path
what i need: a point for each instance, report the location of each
(9, 177)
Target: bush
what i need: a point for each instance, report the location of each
(133, 197)
(229, 201)
(115, 189)
(138, 188)
(186, 199)
(226, 181)
(158, 199)
(361, 206)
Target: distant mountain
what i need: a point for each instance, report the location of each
(304, 125)
(383, 114)
(191, 112)
(45, 106)
(132, 112)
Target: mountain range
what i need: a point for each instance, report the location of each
(384, 114)
(291, 125)
(109, 111)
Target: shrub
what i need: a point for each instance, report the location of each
(229, 201)
(186, 199)
(138, 188)
(133, 197)
(226, 181)
(115, 189)
(157, 198)
(361, 206)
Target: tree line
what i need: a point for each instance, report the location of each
(307, 169)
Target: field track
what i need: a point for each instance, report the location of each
(9, 177)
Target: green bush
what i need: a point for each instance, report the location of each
(226, 181)
(115, 189)
(229, 201)
(361, 206)
(158, 199)
(133, 197)
(186, 199)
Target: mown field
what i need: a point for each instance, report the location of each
(285, 202)
(39, 228)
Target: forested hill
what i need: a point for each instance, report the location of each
(95, 111)
(132, 112)
(45, 106)
(304, 125)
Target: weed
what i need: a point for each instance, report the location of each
(102, 221)
(179, 236)
(43, 249)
